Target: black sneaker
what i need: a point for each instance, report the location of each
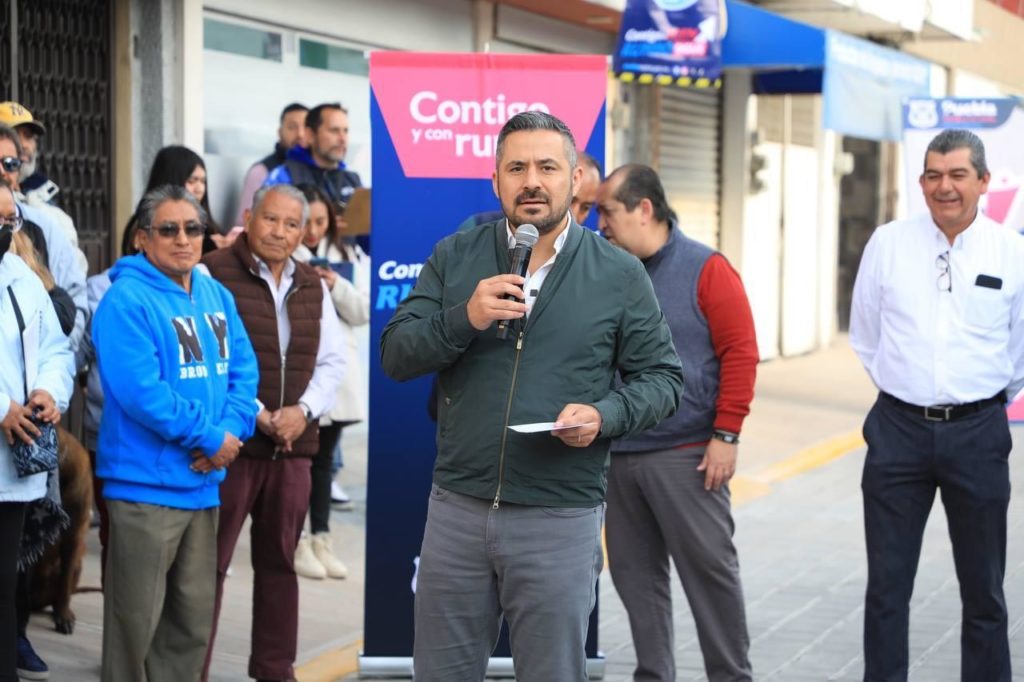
(30, 666)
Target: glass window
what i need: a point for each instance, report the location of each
(243, 40)
(317, 55)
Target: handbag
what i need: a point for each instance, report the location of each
(41, 454)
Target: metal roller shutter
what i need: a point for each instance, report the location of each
(689, 143)
(61, 72)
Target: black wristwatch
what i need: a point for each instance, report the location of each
(307, 412)
(726, 436)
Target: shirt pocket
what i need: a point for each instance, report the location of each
(987, 309)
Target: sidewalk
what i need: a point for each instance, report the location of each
(331, 615)
(799, 533)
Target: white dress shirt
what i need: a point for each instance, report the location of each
(330, 355)
(932, 339)
(536, 280)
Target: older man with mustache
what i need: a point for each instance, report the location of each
(299, 345)
(938, 321)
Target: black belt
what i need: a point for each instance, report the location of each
(946, 413)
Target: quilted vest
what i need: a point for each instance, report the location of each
(283, 376)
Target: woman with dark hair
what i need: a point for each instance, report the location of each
(344, 267)
(180, 166)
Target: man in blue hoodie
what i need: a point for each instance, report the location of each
(179, 377)
(323, 163)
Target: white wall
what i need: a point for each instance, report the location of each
(425, 25)
(783, 240)
(241, 116)
(828, 236)
(549, 35)
(191, 101)
(800, 251)
(966, 84)
(762, 249)
(156, 84)
(738, 122)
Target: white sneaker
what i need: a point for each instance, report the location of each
(306, 563)
(335, 567)
(340, 498)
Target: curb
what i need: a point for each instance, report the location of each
(750, 487)
(331, 665)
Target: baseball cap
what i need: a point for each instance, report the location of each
(13, 114)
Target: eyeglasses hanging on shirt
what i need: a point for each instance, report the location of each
(945, 280)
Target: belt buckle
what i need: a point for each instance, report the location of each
(938, 413)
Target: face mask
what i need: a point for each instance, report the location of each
(6, 235)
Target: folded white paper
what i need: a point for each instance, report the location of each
(544, 426)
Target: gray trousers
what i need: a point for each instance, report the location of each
(537, 565)
(658, 508)
(161, 581)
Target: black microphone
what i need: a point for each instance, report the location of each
(526, 237)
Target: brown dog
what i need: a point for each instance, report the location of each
(55, 576)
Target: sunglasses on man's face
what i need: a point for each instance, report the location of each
(171, 230)
(11, 164)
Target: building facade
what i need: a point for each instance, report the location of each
(761, 168)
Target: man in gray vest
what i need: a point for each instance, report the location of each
(668, 493)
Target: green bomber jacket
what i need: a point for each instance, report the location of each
(595, 315)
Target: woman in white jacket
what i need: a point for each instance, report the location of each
(345, 269)
(41, 360)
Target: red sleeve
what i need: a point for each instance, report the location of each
(723, 301)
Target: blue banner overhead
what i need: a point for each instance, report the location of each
(865, 85)
(671, 41)
(764, 41)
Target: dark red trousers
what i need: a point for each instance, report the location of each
(276, 494)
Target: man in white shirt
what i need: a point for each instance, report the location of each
(937, 322)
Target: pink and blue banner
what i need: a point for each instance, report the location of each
(435, 120)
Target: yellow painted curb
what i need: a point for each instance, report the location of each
(743, 489)
(749, 487)
(810, 458)
(331, 665)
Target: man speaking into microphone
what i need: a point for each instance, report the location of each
(514, 518)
